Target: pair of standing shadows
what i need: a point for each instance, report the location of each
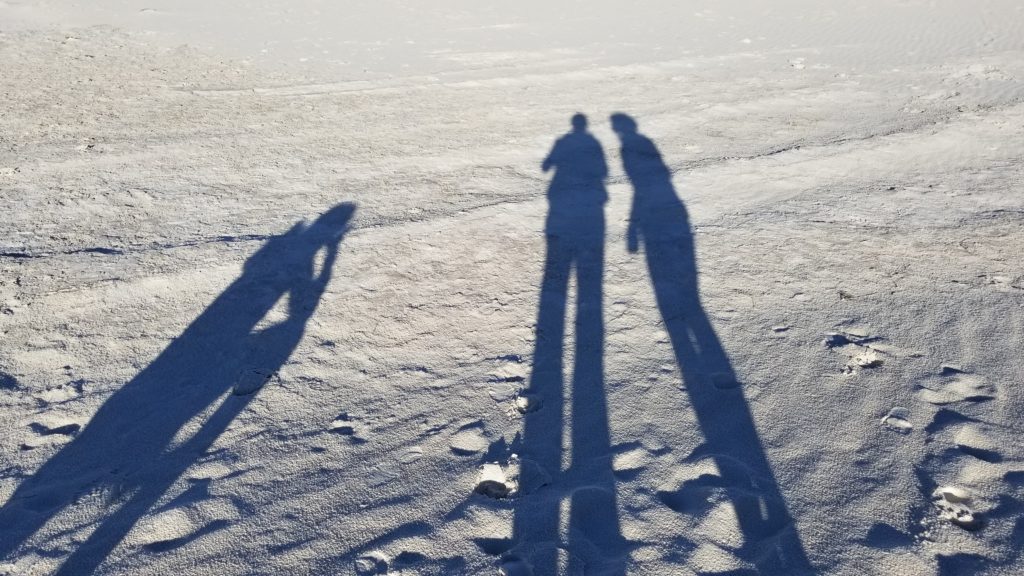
(575, 243)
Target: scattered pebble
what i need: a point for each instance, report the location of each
(953, 505)
(898, 419)
(526, 403)
(491, 482)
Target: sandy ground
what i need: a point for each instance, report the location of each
(282, 297)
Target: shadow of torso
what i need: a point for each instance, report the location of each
(576, 195)
(657, 213)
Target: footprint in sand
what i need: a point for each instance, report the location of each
(345, 424)
(545, 554)
(972, 441)
(514, 567)
(62, 393)
(469, 439)
(954, 505)
(62, 427)
(898, 419)
(861, 360)
(630, 462)
(51, 431)
(631, 459)
(862, 349)
(713, 559)
(382, 474)
(371, 564)
(1014, 478)
(180, 525)
(724, 380)
(715, 494)
(505, 380)
(250, 381)
(952, 384)
(212, 470)
(410, 455)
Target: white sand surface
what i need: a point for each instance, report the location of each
(284, 288)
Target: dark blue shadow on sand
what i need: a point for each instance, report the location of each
(575, 230)
(660, 224)
(580, 483)
(217, 364)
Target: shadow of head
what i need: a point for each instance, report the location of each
(281, 255)
(623, 124)
(579, 122)
(332, 223)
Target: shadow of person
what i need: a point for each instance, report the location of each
(132, 447)
(575, 244)
(658, 220)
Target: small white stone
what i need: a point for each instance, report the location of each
(492, 482)
(526, 403)
(898, 419)
(953, 504)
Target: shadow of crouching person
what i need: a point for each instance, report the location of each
(128, 449)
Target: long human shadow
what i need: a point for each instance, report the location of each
(128, 447)
(658, 220)
(574, 230)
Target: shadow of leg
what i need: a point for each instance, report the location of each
(731, 439)
(536, 523)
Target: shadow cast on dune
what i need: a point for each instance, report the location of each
(131, 447)
(660, 224)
